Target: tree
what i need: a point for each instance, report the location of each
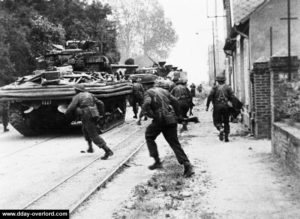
(143, 28)
(30, 27)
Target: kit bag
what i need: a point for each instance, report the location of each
(166, 112)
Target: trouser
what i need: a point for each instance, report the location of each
(89, 129)
(5, 118)
(170, 134)
(136, 102)
(184, 108)
(221, 118)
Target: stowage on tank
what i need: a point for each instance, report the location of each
(38, 101)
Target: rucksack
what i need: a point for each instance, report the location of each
(221, 96)
(164, 113)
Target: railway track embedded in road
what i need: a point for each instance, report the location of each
(73, 190)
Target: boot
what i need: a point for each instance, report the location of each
(90, 149)
(135, 116)
(188, 170)
(108, 153)
(184, 127)
(226, 138)
(6, 129)
(157, 164)
(221, 134)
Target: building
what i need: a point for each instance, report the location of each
(256, 31)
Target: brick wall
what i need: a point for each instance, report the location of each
(261, 100)
(285, 138)
(286, 144)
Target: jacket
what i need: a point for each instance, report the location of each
(83, 102)
(182, 94)
(160, 105)
(220, 95)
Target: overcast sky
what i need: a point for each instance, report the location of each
(194, 30)
(191, 52)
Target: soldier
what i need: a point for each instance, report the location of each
(199, 88)
(183, 95)
(160, 105)
(220, 96)
(193, 94)
(137, 96)
(193, 90)
(5, 117)
(87, 105)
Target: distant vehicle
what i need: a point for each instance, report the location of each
(38, 101)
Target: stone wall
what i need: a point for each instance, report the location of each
(286, 144)
(285, 137)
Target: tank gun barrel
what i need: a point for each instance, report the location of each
(114, 66)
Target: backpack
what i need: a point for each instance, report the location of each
(221, 97)
(164, 113)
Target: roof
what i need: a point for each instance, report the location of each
(242, 9)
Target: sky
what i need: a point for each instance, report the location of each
(194, 30)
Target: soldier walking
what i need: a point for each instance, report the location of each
(220, 96)
(193, 94)
(137, 96)
(193, 90)
(183, 95)
(160, 105)
(87, 105)
(5, 117)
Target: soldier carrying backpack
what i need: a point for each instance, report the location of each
(163, 108)
(221, 97)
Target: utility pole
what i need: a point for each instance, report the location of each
(214, 53)
(271, 42)
(216, 38)
(289, 18)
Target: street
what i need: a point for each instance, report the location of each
(239, 179)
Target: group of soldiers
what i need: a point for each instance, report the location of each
(166, 104)
(157, 103)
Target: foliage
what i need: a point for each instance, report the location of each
(30, 27)
(291, 104)
(143, 29)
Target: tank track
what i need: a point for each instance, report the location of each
(41, 121)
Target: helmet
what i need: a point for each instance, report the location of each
(181, 81)
(79, 87)
(162, 84)
(220, 78)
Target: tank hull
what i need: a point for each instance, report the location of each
(37, 109)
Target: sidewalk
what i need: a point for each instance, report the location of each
(239, 179)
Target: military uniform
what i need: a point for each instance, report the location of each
(87, 105)
(219, 96)
(5, 116)
(137, 97)
(160, 105)
(183, 95)
(193, 90)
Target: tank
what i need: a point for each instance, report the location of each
(38, 101)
